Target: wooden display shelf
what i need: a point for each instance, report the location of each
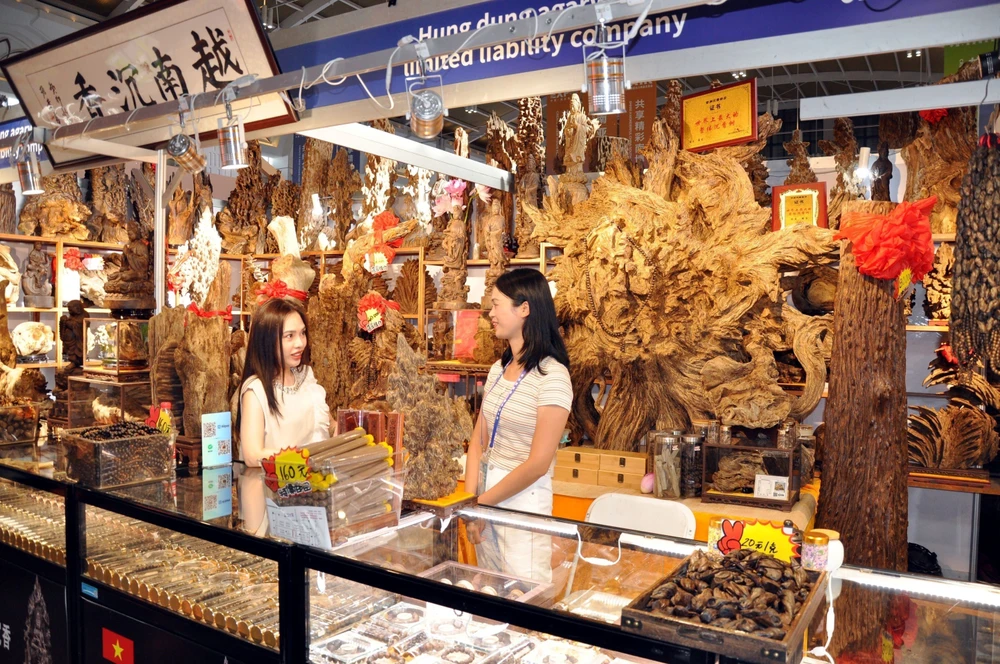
(41, 365)
(943, 329)
(31, 239)
(943, 237)
(921, 480)
(34, 310)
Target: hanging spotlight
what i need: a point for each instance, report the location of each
(184, 150)
(862, 172)
(232, 139)
(606, 82)
(425, 103)
(989, 64)
(29, 173)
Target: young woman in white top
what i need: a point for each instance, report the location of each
(524, 412)
(281, 404)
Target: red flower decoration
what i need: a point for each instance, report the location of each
(934, 115)
(226, 313)
(72, 259)
(383, 222)
(885, 245)
(278, 289)
(373, 302)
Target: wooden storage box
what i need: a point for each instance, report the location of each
(623, 462)
(578, 457)
(740, 645)
(578, 475)
(781, 472)
(613, 478)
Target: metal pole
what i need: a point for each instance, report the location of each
(160, 231)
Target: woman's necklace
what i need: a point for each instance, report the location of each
(299, 374)
(654, 272)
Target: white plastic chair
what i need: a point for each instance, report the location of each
(642, 514)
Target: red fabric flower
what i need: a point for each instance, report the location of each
(934, 115)
(383, 222)
(885, 245)
(278, 289)
(226, 314)
(373, 302)
(72, 259)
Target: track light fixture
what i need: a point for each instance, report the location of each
(185, 150)
(232, 138)
(606, 82)
(425, 98)
(29, 174)
(989, 64)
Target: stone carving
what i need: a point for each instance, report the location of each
(32, 338)
(37, 279)
(59, 212)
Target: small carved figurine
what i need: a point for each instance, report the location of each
(36, 281)
(71, 332)
(881, 174)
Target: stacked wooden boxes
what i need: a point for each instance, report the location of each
(586, 465)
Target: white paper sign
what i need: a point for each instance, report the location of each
(774, 487)
(304, 524)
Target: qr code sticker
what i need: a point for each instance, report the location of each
(225, 447)
(225, 481)
(210, 502)
(208, 429)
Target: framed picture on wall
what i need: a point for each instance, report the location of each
(796, 204)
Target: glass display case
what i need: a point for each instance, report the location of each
(98, 401)
(542, 590)
(117, 348)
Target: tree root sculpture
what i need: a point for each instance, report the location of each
(673, 286)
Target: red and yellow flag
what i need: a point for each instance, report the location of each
(116, 648)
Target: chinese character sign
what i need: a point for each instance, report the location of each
(726, 115)
(188, 48)
(764, 536)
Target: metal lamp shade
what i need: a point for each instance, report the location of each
(232, 147)
(606, 85)
(184, 152)
(427, 113)
(30, 175)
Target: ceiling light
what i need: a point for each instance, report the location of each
(426, 104)
(184, 150)
(917, 53)
(232, 139)
(909, 54)
(606, 82)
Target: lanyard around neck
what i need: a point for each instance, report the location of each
(496, 420)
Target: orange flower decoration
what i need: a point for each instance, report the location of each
(383, 222)
(371, 309)
(934, 115)
(886, 245)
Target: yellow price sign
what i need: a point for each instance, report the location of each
(291, 467)
(765, 536)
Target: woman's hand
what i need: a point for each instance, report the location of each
(474, 530)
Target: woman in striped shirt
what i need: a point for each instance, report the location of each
(525, 408)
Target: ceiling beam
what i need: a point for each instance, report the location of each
(312, 9)
(904, 100)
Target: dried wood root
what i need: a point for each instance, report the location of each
(738, 471)
(937, 283)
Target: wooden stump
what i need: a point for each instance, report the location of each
(865, 456)
(202, 361)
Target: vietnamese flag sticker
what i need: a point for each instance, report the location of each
(116, 648)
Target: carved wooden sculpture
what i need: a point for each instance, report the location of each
(243, 222)
(501, 151)
(332, 325)
(802, 172)
(844, 150)
(406, 291)
(180, 216)
(379, 184)
(166, 331)
(938, 283)
(865, 455)
(8, 354)
(881, 174)
(575, 135)
(132, 285)
(494, 228)
(315, 171)
(937, 159)
(753, 163)
(673, 286)
(342, 183)
(436, 426)
(373, 357)
(286, 198)
(530, 158)
(59, 212)
(671, 110)
(8, 209)
(108, 187)
(202, 361)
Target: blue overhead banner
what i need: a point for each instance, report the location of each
(736, 20)
(15, 128)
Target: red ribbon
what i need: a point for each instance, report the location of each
(934, 115)
(227, 315)
(279, 289)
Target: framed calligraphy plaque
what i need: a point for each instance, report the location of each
(153, 55)
(794, 204)
(726, 115)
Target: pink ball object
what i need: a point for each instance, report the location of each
(647, 483)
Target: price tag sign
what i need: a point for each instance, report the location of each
(374, 317)
(377, 260)
(765, 536)
(300, 524)
(216, 439)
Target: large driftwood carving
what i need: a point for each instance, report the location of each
(180, 216)
(108, 188)
(844, 150)
(333, 323)
(802, 172)
(243, 222)
(406, 291)
(8, 209)
(202, 361)
(530, 158)
(501, 151)
(342, 182)
(315, 171)
(672, 285)
(59, 212)
(937, 159)
(865, 453)
(166, 331)
(373, 357)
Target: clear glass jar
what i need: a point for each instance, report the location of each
(691, 466)
(666, 465)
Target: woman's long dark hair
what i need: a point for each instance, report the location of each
(264, 357)
(541, 327)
